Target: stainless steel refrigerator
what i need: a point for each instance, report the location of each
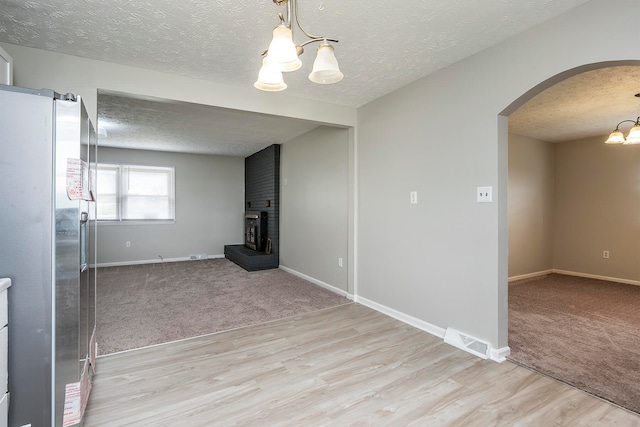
(47, 149)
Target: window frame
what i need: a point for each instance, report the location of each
(122, 196)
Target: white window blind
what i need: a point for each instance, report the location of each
(135, 193)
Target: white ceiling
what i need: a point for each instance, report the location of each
(383, 46)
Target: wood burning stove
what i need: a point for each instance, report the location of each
(255, 230)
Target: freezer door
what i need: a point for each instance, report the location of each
(26, 252)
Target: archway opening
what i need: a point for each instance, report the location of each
(571, 198)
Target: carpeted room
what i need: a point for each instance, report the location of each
(573, 250)
(149, 291)
(149, 304)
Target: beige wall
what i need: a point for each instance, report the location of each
(314, 205)
(530, 205)
(569, 202)
(597, 208)
(209, 208)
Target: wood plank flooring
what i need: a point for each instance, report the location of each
(344, 366)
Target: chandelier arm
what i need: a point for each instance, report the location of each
(637, 121)
(306, 33)
(292, 11)
(319, 39)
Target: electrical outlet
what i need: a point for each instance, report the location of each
(484, 194)
(605, 254)
(127, 244)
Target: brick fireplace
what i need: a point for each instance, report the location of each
(262, 197)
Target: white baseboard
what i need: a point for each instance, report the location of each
(496, 354)
(150, 261)
(530, 275)
(573, 273)
(595, 276)
(499, 354)
(317, 282)
(405, 318)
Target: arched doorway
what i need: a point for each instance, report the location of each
(559, 205)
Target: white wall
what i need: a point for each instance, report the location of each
(209, 208)
(314, 217)
(531, 206)
(444, 260)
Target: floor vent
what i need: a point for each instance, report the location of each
(466, 343)
(199, 256)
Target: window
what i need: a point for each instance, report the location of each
(135, 193)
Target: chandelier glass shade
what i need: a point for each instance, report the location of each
(282, 51)
(325, 67)
(270, 78)
(633, 137)
(283, 54)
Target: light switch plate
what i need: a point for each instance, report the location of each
(413, 196)
(484, 194)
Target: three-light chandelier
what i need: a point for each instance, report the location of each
(283, 54)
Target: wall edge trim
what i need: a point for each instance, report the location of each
(536, 274)
(596, 276)
(530, 275)
(151, 261)
(318, 282)
(405, 318)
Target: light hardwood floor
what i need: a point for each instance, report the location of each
(345, 366)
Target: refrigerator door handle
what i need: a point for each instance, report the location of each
(84, 218)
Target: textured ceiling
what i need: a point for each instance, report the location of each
(585, 105)
(147, 123)
(383, 46)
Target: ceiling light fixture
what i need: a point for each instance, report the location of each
(283, 54)
(617, 137)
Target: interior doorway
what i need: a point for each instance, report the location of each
(568, 195)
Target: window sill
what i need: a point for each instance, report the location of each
(138, 222)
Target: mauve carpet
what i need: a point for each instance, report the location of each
(148, 304)
(584, 332)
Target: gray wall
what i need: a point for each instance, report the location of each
(597, 208)
(444, 260)
(209, 209)
(531, 205)
(314, 214)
